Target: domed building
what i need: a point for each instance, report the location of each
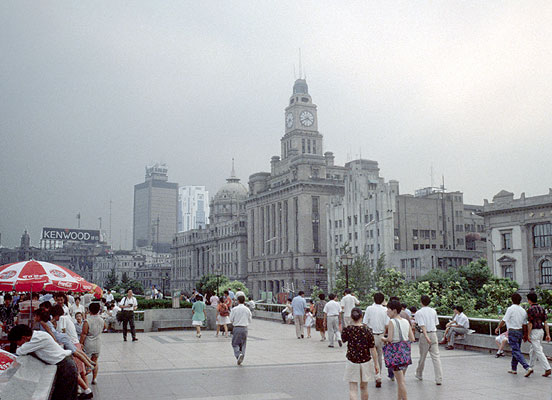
(219, 248)
(229, 202)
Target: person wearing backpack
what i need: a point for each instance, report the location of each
(223, 317)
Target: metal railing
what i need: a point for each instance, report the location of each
(443, 319)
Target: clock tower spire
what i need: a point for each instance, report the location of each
(301, 123)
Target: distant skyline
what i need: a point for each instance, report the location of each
(91, 93)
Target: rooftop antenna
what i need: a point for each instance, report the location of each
(300, 66)
(431, 174)
(233, 173)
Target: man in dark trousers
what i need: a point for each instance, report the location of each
(42, 346)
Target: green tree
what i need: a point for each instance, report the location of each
(497, 294)
(236, 286)
(124, 278)
(112, 280)
(209, 283)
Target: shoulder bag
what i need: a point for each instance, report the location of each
(397, 354)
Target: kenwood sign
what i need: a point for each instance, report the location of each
(75, 235)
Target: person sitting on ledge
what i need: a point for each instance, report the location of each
(42, 346)
(459, 325)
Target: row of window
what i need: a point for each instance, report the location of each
(545, 272)
(542, 237)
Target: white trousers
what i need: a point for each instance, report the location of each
(536, 351)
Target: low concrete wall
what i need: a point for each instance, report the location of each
(182, 314)
(31, 379)
(477, 341)
(268, 315)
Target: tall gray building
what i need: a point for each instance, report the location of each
(415, 233)
(286, 207)
(155, 210)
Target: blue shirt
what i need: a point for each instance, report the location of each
(231, 294)
(298, 304)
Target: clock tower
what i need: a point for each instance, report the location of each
(301, 124)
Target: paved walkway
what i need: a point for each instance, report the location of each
(175, 365)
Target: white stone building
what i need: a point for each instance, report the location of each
(519, 244)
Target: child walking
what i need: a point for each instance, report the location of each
(361, 352)
(309, 321)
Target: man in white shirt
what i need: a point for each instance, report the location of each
(240, 317)
(332, 309)
(375, 318)
(426, 318)
(459, 325)
(48, 351)
(109, 296)
(128, 304)
(348, 302)
(514, 319)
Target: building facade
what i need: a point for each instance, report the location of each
(220, 247)
(519, 244)
(286, 207)
(155, 210)
(193, 208)
(415, 233)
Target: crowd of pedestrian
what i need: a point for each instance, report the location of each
(64, 329)
(382, 335)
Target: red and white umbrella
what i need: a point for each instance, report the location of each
(6, 360)
(35, 276)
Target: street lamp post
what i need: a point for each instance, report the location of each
(346, 260)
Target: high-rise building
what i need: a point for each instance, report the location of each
(286, 207)
(193, 208)
(155, 210)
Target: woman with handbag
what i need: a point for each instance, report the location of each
(397, 348)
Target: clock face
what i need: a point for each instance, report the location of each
(306, 118)
(289, 120)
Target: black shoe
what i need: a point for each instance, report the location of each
(134, 339)
(302, 336)
(340, 343)
(86, 395)
(125, 339)
(378, 384)
(331, 345)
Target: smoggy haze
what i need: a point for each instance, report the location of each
(91, 92)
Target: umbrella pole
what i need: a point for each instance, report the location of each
(31, 318)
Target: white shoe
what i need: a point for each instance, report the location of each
(240, 358)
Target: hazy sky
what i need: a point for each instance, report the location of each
(91, 92)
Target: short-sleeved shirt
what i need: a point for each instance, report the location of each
(298, 304)
(462, 320)
(319, 309)
(359, 342)
(332, 308)
(427, 316)
(349, 302)
(198, 309)
(515, 317)
(536, 316)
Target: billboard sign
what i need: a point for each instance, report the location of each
(73, 235)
